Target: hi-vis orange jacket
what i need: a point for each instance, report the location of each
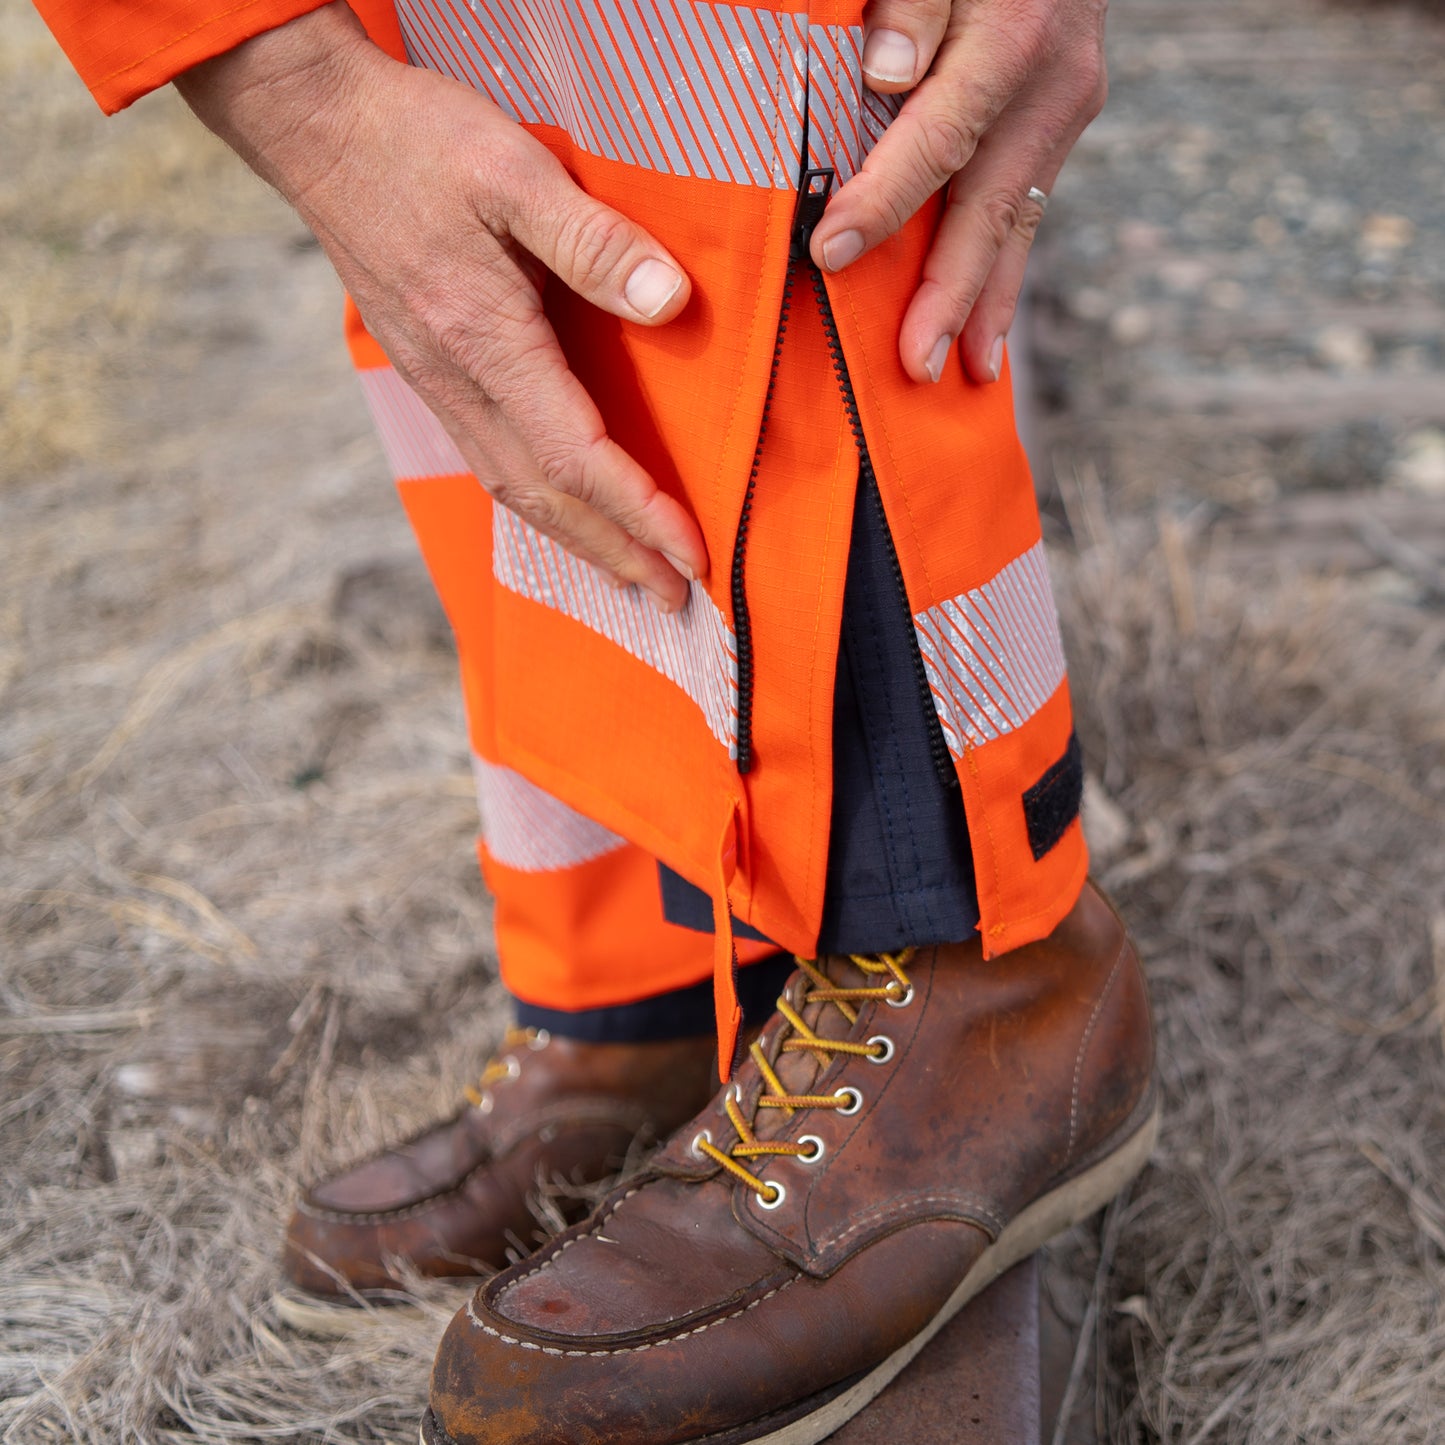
(704, 739)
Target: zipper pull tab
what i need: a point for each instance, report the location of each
(813, 191)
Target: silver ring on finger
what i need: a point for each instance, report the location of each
(1039, 198)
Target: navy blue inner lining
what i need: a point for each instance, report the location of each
(900, 870)
(682, 1014)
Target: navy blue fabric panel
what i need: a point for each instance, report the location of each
(681, 1014)
(900, 869)
(686, 905)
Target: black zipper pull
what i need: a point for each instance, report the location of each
(813, 190)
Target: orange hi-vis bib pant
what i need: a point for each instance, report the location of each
(704, 739)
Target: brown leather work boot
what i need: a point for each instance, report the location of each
(905, 1129)
(449, 1200)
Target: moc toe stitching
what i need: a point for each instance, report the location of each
(421, 1206)
(560, 1244)
(611, 1349)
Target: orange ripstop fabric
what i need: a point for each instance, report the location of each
(124, 50)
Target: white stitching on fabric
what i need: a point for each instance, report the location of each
(1084, 1044)
(622, 1349)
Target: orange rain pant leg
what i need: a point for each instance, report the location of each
(578, 909)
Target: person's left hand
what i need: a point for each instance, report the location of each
(1003, 90)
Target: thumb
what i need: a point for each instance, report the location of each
(900, 39)
(605, 258)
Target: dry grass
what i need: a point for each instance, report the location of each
(240, 934)
(86, 248)
(1281, 752)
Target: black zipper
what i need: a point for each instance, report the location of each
(813, 192)
(812, 197)
(868, 483)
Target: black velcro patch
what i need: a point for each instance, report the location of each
(1053, 802)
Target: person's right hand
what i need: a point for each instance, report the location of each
(438, 212)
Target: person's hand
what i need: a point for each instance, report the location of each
(1004, 89)
(439, 213)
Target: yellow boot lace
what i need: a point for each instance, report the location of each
(504, 1065)
(897, 990)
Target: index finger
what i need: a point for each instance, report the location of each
(527, 376)
(977, 73)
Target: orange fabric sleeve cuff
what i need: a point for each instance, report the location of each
(123, 49)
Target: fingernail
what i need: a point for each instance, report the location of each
(663, 605)
(995, 358)
(681, 566)
(934, 365)
(890, 56)
(842, 250)
(651, 286)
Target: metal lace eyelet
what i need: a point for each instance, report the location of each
(771, 1202)
(849, 1092)
(885, 1049)
(900, 1000)
(539, 1039)
(734, 1094)
(697, 1139)
(815, 1153)
(485, 1104)
(514, 1068)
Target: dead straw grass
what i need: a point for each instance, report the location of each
(85, 259)
(1280, 757)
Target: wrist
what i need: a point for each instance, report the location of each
(284, 100)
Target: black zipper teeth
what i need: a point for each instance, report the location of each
(742, 624)
(937, 744)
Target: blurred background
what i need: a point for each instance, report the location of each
(241, 934)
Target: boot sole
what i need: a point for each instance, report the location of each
(808, 1422)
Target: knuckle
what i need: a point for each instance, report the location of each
(565, 465)
(1027, 225)
(537, 507)
(458, 344)
(1001, 214)
(501, 490)
(505, 373)
(1017, 51)
(591, 245)
(1087, 81)
(465, 351)
(420, 367)
(1030, 42)
(946, 143)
